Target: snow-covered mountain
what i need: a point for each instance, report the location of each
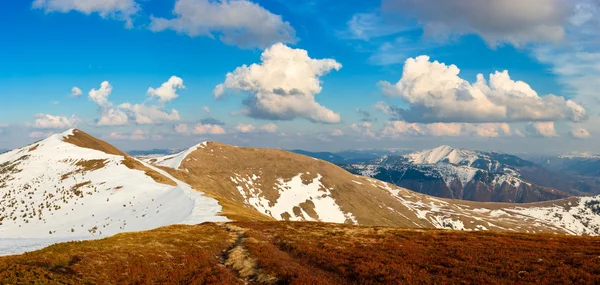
(72, 186)
(254, 184)
(473, 175)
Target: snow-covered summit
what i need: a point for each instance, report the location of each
(443, 153)
(174, 160)
(73, 186)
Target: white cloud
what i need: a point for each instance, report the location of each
(542, 129)
(112, 117)
(76, 92)
(283, 86)
(580, 133)
(147, 115)
(118, 9)
(402, 128)
(435, 93)
(269, 128)
(45, 121)
(100, 96)
(141, 114)
(245, 128)
(206, 109)
(181, 128)
(496, 21)
(365, 26)
(40, 135)
(336, 133)
(365, 129)
(241, 23)
(168, 90)
(209, 129)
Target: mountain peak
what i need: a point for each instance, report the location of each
(174, 160)
(84, 140)
(442, 153)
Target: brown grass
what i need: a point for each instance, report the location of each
(310, 253)
(170, 255)
(317, 253)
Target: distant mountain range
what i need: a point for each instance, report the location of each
(350, 156)
(585, 166)
(473, 175)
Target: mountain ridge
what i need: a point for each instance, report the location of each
(73, 186)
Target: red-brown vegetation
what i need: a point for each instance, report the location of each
(305, 253)
(311, 253)
(170, 255)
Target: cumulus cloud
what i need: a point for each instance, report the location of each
(542, 129)
(168, 90)
(579, 133)
(336, 133)
(45, 121)
(181, 128)
(283, 86)
(269, 128)
(76, 92)
(118, 9)
(206, 109)
(100, 96)
(365, 129)
(141, 114)
(112, 117)
(435, 93)
(235, 22)
(208, 129)
(496, 21)
(148, 115)
(402, 128)
(243, 128)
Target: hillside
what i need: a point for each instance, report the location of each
(72, 186)
(266, 184)
(471, 175)
(310, 253)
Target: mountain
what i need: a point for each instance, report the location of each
(269, 184)
(72, 186)
(472, 175)
(350, 156)
(586, 166)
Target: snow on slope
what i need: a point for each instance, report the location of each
(54, 190)
(443, 153)
(292, 194)
(174, 160)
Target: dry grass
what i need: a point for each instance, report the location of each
(310, 253)
(317, 253)
(170, 255)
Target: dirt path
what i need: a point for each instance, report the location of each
(238, 259)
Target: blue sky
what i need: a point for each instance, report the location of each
(337, 75)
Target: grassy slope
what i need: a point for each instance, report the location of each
(309, 253)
